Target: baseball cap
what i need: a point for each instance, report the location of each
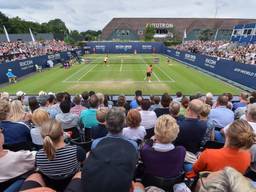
(113, 163)
(20, 94)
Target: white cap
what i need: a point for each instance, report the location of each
(51, 93)
(41, 93)
(209, 95)
(20, 93)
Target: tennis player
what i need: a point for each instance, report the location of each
(149, 73)
(106, 60)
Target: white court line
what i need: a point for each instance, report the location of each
(78, 71)
(116, 81)
(115, 70)
(87, 72)
(121, 66)
(165, 73)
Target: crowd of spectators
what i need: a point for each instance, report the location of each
(56, 142)
(11, 51)
(222, 49)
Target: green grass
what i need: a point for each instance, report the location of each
(123, 75)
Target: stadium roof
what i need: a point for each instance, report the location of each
(180, 24)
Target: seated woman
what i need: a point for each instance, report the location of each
(39, 116)
(13, 164)
(18, 114)
(17, 134)
(161, 158)
(134, 131)
(239, 138)
(57, 161)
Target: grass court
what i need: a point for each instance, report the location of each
(124, 74)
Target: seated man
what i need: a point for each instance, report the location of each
(11, 76)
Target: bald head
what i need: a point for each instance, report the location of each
(195, 106)
(174, 108)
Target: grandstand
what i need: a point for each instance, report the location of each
(133, 28)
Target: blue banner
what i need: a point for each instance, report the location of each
(243, 74)
(27, 66)
(123, 47)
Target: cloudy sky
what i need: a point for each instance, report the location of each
(95, 14)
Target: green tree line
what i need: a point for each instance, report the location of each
(56, 26)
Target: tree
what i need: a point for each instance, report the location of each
(57, 26)
(149, 33)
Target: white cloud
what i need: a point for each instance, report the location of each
(84, 14)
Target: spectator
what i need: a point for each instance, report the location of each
(160, 157)
(21, 96)
(221, 116)
(85, 101)
(59, 98)
(104, 153)
(121, 102)
(101, 98)
(88, 116)
(57, 161)
(184, 105)
(178, 97)
(240, 137)
(135, 102)
(134, 131)
(148, 118)
(165, 102)
(243, 101)
(5, 96)
(33, 104)
(209, 134)
(100, 130)
(175, 110)
(68, 120)
(78, 108)
(13, 164)
(115, 122)
(17, 113)
(192, 130)
(39, 116)
(156, 104)
(15, 133)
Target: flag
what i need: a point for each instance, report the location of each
(184, 35)
(6, 34)
(31, 34)
(216, 35)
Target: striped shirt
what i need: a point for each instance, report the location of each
(65, 164)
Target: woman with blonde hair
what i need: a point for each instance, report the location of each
(17, 112)
(39, 117)
(160, 157)
(57, 161)
(239, 139)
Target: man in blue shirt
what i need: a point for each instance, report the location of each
(11, 76)
(243, 101)
(221, 116)
(134, 103)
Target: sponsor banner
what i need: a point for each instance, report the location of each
(243, 74)
(26, 66)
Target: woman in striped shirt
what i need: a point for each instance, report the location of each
(57, 161)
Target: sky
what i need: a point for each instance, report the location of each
(83, 15)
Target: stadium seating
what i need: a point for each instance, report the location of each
(78, 139)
